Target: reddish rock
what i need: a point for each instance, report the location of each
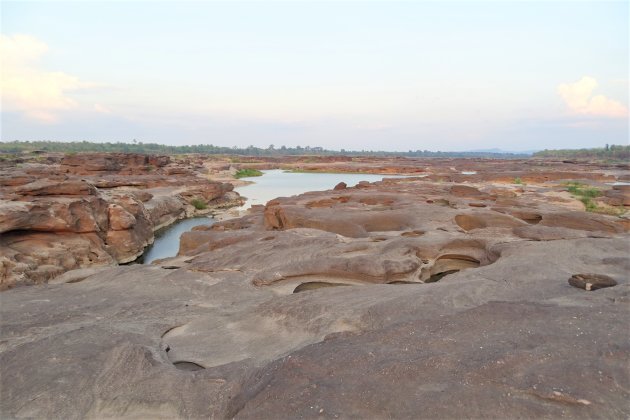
(123, 163)
(529, 216)
(544, 233)
(254, 323)
(465, 191)
(11, 180)
(619, 195)
(326, 202)
(74, 214)
(50, 187)
(127, 245)
(79, 215)
(119, 218)
(581, 221)
(470, 221)
(143, 196)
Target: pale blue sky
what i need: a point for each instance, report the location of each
(353, 75)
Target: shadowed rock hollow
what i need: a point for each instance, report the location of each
(389, 300)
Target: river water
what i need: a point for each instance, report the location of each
(274, 183)
(278, 183)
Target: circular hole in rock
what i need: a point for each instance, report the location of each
(449, 264)
(591, 282)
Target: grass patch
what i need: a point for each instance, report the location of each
(246, 173)
(199, 204)
(586, 194)
(518, 181)
(582, 190)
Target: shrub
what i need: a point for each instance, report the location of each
(518, 181)
(245, 173)
(199, 204)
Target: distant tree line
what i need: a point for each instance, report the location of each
(154, 148)
(609, 152)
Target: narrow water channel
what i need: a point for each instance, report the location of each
(274, 183)
(167, 239)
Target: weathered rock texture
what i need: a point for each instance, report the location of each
(389, 300)
(54, 218)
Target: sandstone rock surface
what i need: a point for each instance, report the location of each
(92, 209)
(388, 300)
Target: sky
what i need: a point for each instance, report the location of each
(373, 75)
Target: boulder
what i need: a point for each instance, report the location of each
(119, 218)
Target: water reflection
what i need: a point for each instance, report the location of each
(278, 183)
(167, 239)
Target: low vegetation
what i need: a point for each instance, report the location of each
(609, 152)
(246, 173)
(199, 204)
(250, 151)
(587, 196)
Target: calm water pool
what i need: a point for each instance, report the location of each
(278, 183)
(167, 239)
(274, 183)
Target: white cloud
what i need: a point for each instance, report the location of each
(38, 94)
(579, 99)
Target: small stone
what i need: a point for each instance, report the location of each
(591, 282)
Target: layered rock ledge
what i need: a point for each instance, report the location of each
(92, 210)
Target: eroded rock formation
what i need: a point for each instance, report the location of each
(396, 299)
(92, 209)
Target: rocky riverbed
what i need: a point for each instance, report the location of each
(444, 296)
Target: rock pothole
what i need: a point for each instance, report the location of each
(184, 365)
(448, 264)
(472, 221)
(312, 285)
(188, 366)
